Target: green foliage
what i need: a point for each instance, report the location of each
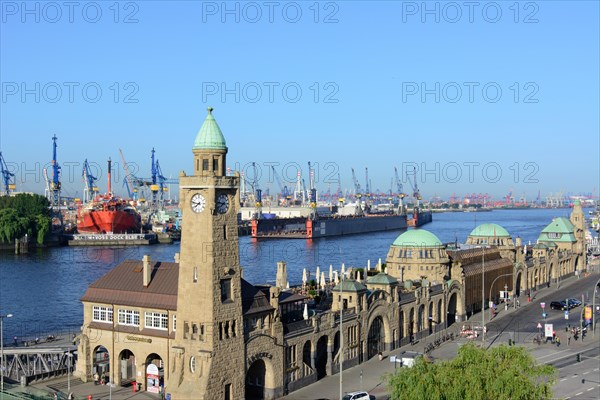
(503, 372)
(24, 214)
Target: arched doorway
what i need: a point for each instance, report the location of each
(127, 369)
(430, 319)
(336, 345)
(411, 325)
(376, 338)
(451, 314)
(256, 379)
(518, 284)
(577, 264)
(321, 359)
(401, 323)
(420, 318)
(101, 362)
(306, 356)
(155, 374)
(439, 312)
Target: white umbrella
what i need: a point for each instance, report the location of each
(368, 265)
(287, 286)
(323, 280)
(330, 273)
(336, 278)
(305, 313)
(304, 276)
(379, 265)
(343, 269)
(358, 276)
(318, 274)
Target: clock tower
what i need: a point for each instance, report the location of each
(208, 350)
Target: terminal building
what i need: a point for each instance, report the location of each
(195, 329)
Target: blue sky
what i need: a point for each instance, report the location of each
(495, 89)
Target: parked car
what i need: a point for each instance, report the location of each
(559, 305)
(357, 396)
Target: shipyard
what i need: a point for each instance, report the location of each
(321, 201)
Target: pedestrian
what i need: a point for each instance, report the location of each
(557, 341)
(518, 304)
(16, 341)
(569, 340)
(96, 378)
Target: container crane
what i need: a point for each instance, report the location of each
(367, 186)
(128, 181)
(90, 190)
(7, 176)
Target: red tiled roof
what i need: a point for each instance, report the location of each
(124, 285)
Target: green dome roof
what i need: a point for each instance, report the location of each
(489, 230)
(210, 136)
(417, 238)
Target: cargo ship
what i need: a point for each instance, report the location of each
(108, 214)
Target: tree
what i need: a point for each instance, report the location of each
(503, 372)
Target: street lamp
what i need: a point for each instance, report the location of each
(2, 363)
(498, 277)
(70, 357)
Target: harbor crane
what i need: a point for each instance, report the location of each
(7, 176)
(55, 185)
(416, 194)
(90, 190)
(400, 190)
(367, 183)
(283, 189)
(158, 182)
(357, 191)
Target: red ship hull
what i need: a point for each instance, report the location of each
(100, 221)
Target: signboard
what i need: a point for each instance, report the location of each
(543, 305)
(393, 359)
(152, 379)
(548, 328)
(588, 313)
(566, 314)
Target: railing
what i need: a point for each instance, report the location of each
(306, 369)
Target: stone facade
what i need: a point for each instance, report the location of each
(212, 335)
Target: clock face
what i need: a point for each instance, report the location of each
(198, 203)
(222, 203)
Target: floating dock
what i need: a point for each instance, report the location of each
(110, 239)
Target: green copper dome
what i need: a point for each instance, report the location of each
(209, 136)
(489, 230)
(417, 238)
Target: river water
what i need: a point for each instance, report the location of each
(42, 289)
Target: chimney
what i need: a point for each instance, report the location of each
(147, 270)
(281, 279)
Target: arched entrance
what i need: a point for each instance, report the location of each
(376, 338)
(101, 362)
(127, 370)
(256, 379)
(577, 264)
(518, 284)
(401, 324)
(420, 318)
(430, 319)
(155, 374)
(306, 356)
(411, 325)
(336, 345)
(451, 314)
(321, 359)
(439, 312)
